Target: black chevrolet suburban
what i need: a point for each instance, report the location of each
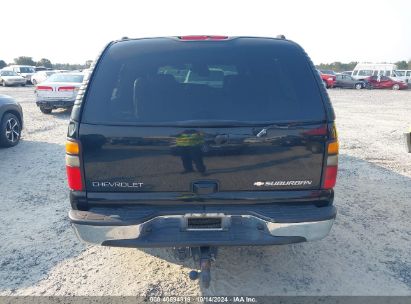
(199, 142)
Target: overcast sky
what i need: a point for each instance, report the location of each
(75, 31)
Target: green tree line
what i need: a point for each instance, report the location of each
(26, 60)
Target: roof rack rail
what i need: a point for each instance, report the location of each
(281, 37)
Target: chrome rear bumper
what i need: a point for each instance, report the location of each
(163, 231)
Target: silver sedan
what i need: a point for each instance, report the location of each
(10, 78)
(58, 91)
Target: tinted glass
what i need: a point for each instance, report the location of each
(65, 78)
(26, 70)
(365, 73)
(9, 73)
(328, 72)
(166, 80)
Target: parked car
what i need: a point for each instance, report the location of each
(346, 81)
(11, 78)
(319, 73)
(328, 79)
(58, 91)
(23, 70)
(384, 82)
(136, 170)
(41, 68)
(365, 70)
(328, 72)
(404, 75)
(41, 76)
(11, 121)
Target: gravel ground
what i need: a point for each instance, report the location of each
(368, 251)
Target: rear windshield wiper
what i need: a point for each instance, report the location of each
(286, 125)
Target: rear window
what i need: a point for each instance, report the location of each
(65, 78)
(165, 80)
(26, 70)
(328, 72)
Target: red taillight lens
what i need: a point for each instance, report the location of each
(330, 177)
(218, 37)
(74, 178)
(317, 131)
(66, 89)
(44, 88)
(198, 37)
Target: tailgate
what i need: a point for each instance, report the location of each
(156, 159)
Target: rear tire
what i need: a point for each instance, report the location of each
(396, 87)
(4, 84)
(10, 130)
(45, 110)
(34, 82)
(358, 86)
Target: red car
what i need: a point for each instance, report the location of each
(328, 78)
(384, 82)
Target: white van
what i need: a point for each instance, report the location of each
(364, 70)
(23, 70)
(404, 75)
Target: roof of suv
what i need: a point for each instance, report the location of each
(213, 38)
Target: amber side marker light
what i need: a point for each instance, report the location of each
(73, 169)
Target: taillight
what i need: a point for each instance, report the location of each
(330, 177)
(74, 178)
(203, 37)
(73, 169)
(317, 131)
(44, 88)
(331, 168)
(72, 147)
(67, 89)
